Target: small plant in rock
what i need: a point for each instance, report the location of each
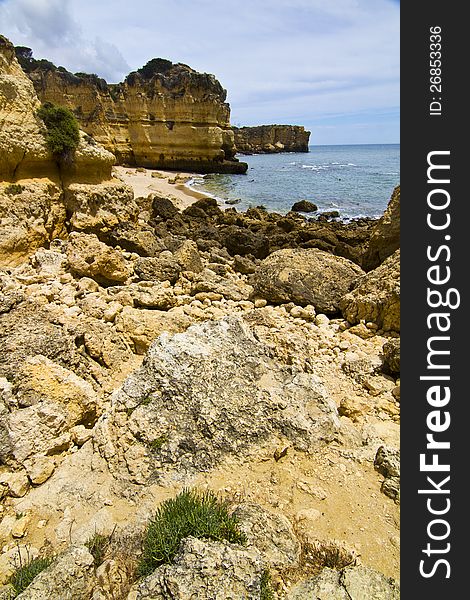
(97, 545)
(191, 513)
(26, 572)
(63, 134)
(329, 554)
(158, 443)
(13, 189)
(266, 590)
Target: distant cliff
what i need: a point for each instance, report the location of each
(164, 115)
(271, 138)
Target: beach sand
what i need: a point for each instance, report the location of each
(168, 184)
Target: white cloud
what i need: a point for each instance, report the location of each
(281, 60)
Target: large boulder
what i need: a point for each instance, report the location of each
(376, 298)
(385, 236)
(351, 583)
(306, 276)
(242, 241)
(206, 394)
(88, 257)
(206, 570)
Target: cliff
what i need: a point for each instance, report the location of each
(271, 138)
(39, 196)
(164, 116)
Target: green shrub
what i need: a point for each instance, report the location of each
(97, 545)
(25, 573)
(266, 590)
(63, 134)
(191, 513)
(13, 189)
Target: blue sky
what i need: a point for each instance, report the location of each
(332, 66)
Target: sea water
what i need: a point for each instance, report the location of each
(355, 180)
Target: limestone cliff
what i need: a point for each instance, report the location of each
(38, 195)
(271, 138)
(163, 116)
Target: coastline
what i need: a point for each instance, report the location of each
(169, 184)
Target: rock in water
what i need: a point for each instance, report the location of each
(211, 392)
(305, 276)
(377, 296)
(271, 138)
(304, 206)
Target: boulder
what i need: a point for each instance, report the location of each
(239, 240)
(391, 356)
(88, 257)
(206, 570)
(387, 463)
(188, 257)
(129, 237)
(69, 577)
(385, 235)
(165, 267)
(231, 288)
(376, 298)
(304, 206)
(163, 208)
(350, 583)
(217, 392)
(305, 276)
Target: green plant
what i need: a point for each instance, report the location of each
(63, 134)
(156, 444)
(13, 189)
(26, 572)
(266, 590)
(191, 513)
(97, 545)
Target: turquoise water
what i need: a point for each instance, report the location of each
(355, 180)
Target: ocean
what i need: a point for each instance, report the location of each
(356, 180)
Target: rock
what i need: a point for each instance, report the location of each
(241, 241)
(387, 463)
(376, 297)
(17, 483)
(304, 206)
(350, 583)
(40, 469)
(271, 138)
(243, 265)
(155, 295)
(129, 237)
(88, 257)
(163, 208)
(188, 257)
(49, 262)
(163, 268)
(99, 208)
(328, 215)
(69, 577)
(385, 235)
(9, 560)
(175, 119)
(206, 570)
(231, 288)
(272, 535)
(209, 389)
(305, 277)
(391, 355)
(20, 527)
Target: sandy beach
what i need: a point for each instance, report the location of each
(170, 184)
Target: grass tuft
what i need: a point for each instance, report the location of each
(25, 573)
(266, 590)
(191, 513)
(97, 545)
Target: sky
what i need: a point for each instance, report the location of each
(330, 65)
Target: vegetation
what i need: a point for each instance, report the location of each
(266, 590)
(191, 513)
(13, 189)
(24, 56)
(154, 66)
(25, 573)
(157, 443)
(97, 545)
(63, 134)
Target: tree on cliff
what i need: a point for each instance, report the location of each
(63, 135)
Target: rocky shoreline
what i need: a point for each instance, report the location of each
(147, 347)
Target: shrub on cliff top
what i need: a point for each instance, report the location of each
(63, 134)
(191, 513)
(154, 66)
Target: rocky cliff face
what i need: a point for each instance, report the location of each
(37, 194)
(165, 116)
(271, 138)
